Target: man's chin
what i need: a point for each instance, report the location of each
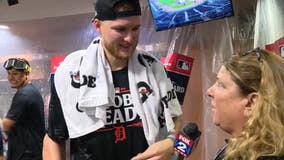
(125, 56)
(127, 52)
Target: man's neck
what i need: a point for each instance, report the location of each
(117, 64)
(24, 83)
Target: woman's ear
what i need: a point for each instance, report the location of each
(251, 101)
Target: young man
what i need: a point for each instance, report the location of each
(24, 122)
(112, 100)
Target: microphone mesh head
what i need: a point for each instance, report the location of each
(191, 130)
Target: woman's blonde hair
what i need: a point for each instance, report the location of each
(263, 135)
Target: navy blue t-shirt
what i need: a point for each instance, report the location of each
(25, 138)
(121, 138)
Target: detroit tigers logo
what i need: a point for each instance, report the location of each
(90, 81)
(148, 59)
(144, 90)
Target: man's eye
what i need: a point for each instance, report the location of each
(120, 29)
(136, 29)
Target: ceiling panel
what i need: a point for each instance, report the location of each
(36, 9)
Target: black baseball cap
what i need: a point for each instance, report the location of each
(105, 9)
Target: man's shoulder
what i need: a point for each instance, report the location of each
(72, 59)
(27, 89)
(75, 55)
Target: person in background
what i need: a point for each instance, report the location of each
(24, 122)
(248, 103)
(112, 100)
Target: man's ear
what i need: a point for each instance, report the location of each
(27, 73)
(251, 101)
(97, 25)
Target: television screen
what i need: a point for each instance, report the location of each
(175, 13)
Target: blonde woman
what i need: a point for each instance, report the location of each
(248, 103)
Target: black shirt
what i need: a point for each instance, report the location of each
(121, 138)
(25, 138)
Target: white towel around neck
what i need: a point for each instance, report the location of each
(143, 69)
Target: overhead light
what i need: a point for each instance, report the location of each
(4, 27)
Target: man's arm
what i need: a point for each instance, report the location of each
(7, 124)
(53, 150)
(163, 149)
(57, 132)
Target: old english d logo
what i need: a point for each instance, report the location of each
(144, 90)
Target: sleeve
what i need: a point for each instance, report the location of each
(170, 101)
(19, 103)
(57, 128)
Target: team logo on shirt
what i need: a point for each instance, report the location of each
(144, 91)
(121, 116)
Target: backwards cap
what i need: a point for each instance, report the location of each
(105, 9)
